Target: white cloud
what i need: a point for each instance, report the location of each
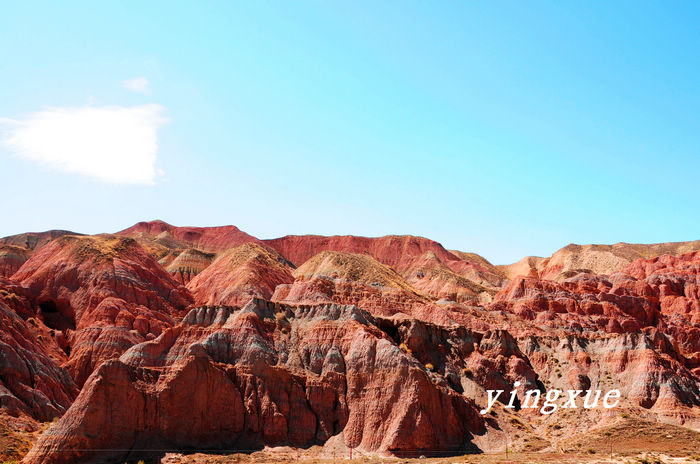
(113, 144)
(138, 84)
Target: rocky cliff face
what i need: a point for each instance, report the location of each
(265, 375)
(636, 329)
(15, 250)
(211, 239)
(421, 261)
(185, 265)
(239, 274)
(100, 295)
(11, 259)
(187, 251)
(192, 338)
(596, 259)
(31, 379)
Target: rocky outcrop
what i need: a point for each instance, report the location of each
(384, 345)
(239, 274)
(646, 369)
(635, 330)
(16, 297)
(15, 250)
(100, 295)
(422, 263)
(433, 277)
(292, 375)
(352, 279)
(31, 379)
(672, 283)
(596, 259)
(212, 239)
(397, 251)
(11, 259)
(34, 241)
(575, 305)
(361, 269)
(185, 265)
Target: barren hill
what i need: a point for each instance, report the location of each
(596, 259)
(207, 338)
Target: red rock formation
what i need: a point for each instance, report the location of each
(16, 249)
(348, 278)
(185, 265)
(361, 269)
(423, 263)
(237, 275)
(673, 283)
(383, 344)
(576, 304)
(597, 259)
(282, 374)
(11, 259)
(34, 241)
(31, 380)
(102, 294)
(16, 297)
(204, 238)
(440, 273)
(432, 276)
(396, 251)
(651, 307)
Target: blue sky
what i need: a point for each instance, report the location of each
(504, 128)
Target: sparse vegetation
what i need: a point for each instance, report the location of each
(44, 426)
(13, 445)
(8, 295)
(517, 423)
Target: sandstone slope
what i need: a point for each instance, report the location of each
(100, 295)
(15, 250)
(422, 262)
(239, 274)
(264, 375)
(187, 251)
(348, 278)
(211, 239)
(380, 344)
(596, 259)
(31, 379)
